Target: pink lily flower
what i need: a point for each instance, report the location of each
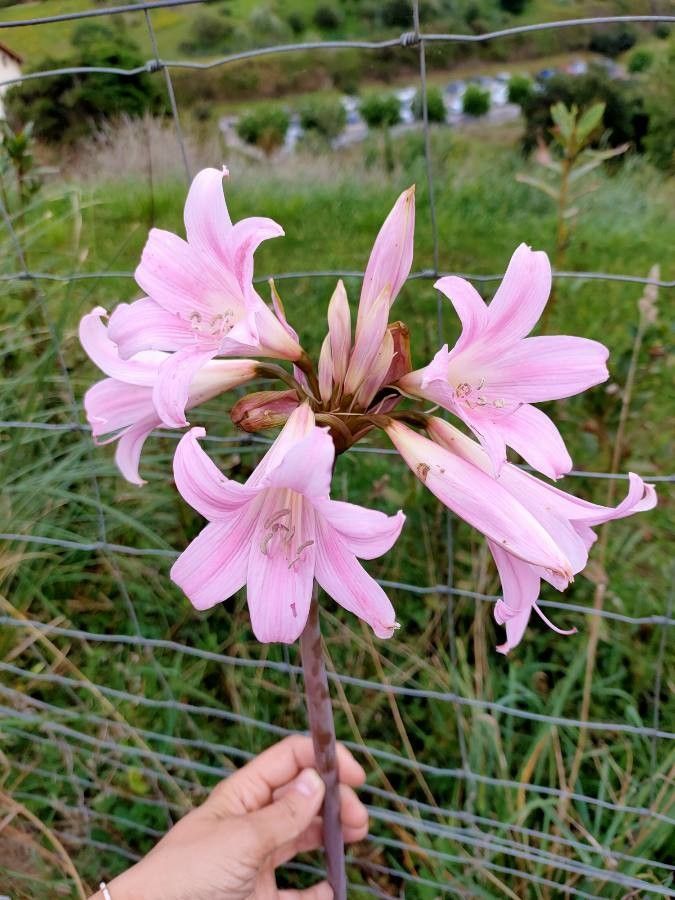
(201, 301)
(568, 521)
(121, 406)
(278, 532)
(386, 272)
(494, 372)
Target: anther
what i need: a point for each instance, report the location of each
(299, 552)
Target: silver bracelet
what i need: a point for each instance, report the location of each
(103, 888)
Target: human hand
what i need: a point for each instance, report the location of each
(257, 819)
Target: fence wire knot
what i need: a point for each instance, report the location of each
(154, 65)
(410, 39)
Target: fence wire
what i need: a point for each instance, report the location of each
(106, 757)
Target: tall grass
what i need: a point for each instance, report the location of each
(128, 770)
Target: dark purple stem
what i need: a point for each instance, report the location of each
(322, 728)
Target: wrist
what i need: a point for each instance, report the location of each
(130, 885)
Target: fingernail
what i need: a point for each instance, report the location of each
(308, 783)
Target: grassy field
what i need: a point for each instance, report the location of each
(331, 209)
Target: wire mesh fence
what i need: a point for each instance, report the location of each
(109, 762)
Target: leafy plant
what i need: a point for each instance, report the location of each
(660, 106)
(564, 173)
(265, 127)
(327, 17)
(324, 116)
(612, 42)
(520, 89)
(382, 111)
(435, 105)
(640, 60)
(476, 101)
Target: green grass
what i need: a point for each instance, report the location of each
(331, 210)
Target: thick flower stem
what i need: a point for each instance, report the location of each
(322, 728)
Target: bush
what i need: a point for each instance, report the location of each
(515, 7)
(296, 23)
(265, 127)
(476, 101)
(660, 104)
(397, 14)
(64, 108)
(206, 33)
(662, 31)
(520, 89)
(625, 117)
(640, 61)
(612, 43)
(327, 18)
(325, 116)
(380, 110)
(435, 105)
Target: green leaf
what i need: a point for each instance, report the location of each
(590, 120)
(539, 185)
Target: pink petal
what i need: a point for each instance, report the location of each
(172, 388)
(375, 377)
(522, 295)
(244, 239)
(348, 583)
(548, 368)
(367, 343)
(520, 587)
(367, 533)
(469, 306)
(280, 313)
(340, 331)
(307, 466)
(478, 499)
(534, 436)
(207, 221)
(214, 565)
(145, 325)
(129, 447)
(111, 405)
(300, 423)
(186, 282)
(281, 567)
(219, 375)
(325, 371)
(274, 338)
(391, 257)
(102, 350)
(201, 483)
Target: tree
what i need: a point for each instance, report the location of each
(64, 108)
(520, 89)
(380, 110)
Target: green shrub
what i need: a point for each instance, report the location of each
(520, 89)
(515, 7)
(327, 18)
(207, 32)
(435, 105)
(264, 127)
(662, 31)
(476, 101)
(296, 23)
(625, 117)
(324, 116)
(612, 42)
(380, 110)
(640, 60)
(64, 108)
(397, 13)
(660, 106)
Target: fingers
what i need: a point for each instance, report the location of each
(321, 891)
(353, 815)
(252, 787)
(288, 817)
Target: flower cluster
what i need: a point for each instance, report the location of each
(199, 332)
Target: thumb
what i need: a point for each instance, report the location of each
(287, 818)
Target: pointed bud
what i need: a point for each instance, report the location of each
(264, 409)
(280, 313)
(367, 344)
(375, 377)
(340, 331)
(401, 362)
(391, 257)
(326, 371)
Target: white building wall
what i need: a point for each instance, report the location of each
(9, 69)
